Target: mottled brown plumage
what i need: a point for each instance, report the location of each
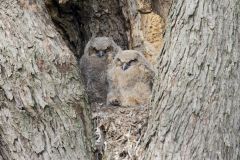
(130, 79)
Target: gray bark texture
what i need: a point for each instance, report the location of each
(196, 99)
(43, 111)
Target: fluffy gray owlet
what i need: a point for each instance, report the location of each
(98, 54)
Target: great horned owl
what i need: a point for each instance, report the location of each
(130, 79)
(98, 53)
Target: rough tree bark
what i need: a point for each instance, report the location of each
(43, 111)
(195, 103)
(196, 97)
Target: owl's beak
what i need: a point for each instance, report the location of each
(100, 53)
(125, 66)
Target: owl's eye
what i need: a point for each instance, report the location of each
(125, 66)
(92, 51)
(132, 61)
(109, 49)
(118, 61)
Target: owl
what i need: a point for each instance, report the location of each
(130, 79)
(98, 54)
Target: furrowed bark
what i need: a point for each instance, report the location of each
(43, 110)
(196, 97)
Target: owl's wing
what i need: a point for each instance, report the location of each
(113, 94)
(111, 78)
(85, 68)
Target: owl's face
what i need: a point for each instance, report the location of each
(127, 59)
(101, 47)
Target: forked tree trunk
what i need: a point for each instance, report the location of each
(43, 111)
(196, 98)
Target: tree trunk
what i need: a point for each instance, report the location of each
(43, 111)
(196, 97)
